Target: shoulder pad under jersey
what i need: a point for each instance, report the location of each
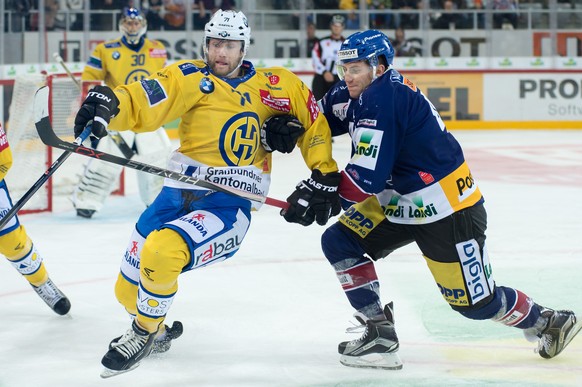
(114, 44)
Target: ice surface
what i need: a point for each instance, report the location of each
(274, 313)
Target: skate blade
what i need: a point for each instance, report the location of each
(386, 361)
(107, 373)
(577, 328)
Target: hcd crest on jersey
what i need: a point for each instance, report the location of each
(206, 85)
(116, 55)
(136, 75)
(239, 139)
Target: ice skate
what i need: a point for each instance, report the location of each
(378, 346)
(163, 341)
(562, 327)
(84, 213)
(126, 352)
(53, 297)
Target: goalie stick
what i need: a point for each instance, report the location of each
(116, 137)
(48, 137)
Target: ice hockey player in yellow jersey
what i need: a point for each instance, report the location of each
(18, 248)
(223, 102)
(131, 58)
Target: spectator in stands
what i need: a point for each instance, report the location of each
(20, 15)
(380, 20)
(510, 16)
(323, 20)
(106, 20)
(203, 9)
(449, 19)
(324, 56)
(50, 12)
(154, 10)
(225, 5)
(175, 14)
(406, 20)
(403, 47)
(479, 17)
(352, 20)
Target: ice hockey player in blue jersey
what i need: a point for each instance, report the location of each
(407, 181)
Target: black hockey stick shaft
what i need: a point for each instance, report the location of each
(48, 136)
(116, 137)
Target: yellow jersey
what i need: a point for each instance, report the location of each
(117, 63)
(219, 130)
(5, 154)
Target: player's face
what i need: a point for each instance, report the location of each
(224, 56)
(132, 25)
(358, 76)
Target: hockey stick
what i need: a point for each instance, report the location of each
(116, 137)
(42, 93)
(48, 136)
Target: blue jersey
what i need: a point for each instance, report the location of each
(401, 151)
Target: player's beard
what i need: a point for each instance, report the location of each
(229, 70)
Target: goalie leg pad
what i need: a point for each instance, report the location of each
(152, 148)
(98, 180)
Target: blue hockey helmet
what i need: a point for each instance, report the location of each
(133, 25)
(365, 46)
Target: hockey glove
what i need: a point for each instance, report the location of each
(316, 199)
(97, 110)
(280, 133)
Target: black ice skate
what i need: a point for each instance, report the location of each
(561, 329)
(53, 297)
(163, 342)
(378, 346)
(84, 213)
(126, 352)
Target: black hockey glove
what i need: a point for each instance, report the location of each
(280, 133)
(316, 198)
(97, 110)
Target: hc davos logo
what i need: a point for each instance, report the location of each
(136, 75)
(239, 139)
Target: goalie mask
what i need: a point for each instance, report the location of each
(365, 46)
(132, 25)
(228, 25)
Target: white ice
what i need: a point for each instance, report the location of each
(274, 313)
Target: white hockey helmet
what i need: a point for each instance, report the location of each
(133, 14)
(228, 25)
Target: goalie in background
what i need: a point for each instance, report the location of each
(18, 248)
(131, 58)
(223, 102)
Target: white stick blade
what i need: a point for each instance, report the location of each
(41, 103)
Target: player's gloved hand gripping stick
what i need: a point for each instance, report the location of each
(116, 137)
